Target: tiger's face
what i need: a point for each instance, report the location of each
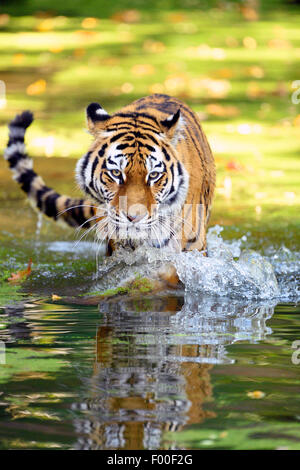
(133, 172)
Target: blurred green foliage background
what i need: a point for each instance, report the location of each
(234, 62)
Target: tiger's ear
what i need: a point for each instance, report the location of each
(96, 117)
(169, 125)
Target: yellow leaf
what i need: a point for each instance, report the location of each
(257, 394)
(20, 275)
(36, 88)
(55, 297)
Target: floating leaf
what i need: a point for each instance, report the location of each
(36, 88)
(257, 394)
(55, 297)
(20, 275)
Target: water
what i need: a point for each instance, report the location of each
(212, 365)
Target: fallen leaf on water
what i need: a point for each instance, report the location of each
(257, 394)
(55, 297)
(36, 88)
(18, 276)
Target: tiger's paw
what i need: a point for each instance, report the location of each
(169, 276)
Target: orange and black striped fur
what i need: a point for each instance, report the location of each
(149, 176)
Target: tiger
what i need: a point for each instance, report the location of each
(149, 171)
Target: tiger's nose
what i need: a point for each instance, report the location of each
(136, 212)
(135, 218)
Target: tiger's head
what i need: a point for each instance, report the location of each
(133, 172)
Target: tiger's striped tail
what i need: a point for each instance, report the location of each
(74, 212)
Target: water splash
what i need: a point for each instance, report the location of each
(39, 224)
(230, 269)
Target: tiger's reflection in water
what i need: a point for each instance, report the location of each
(152, 367)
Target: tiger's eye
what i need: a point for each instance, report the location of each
(115, 172)
(154, 174)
